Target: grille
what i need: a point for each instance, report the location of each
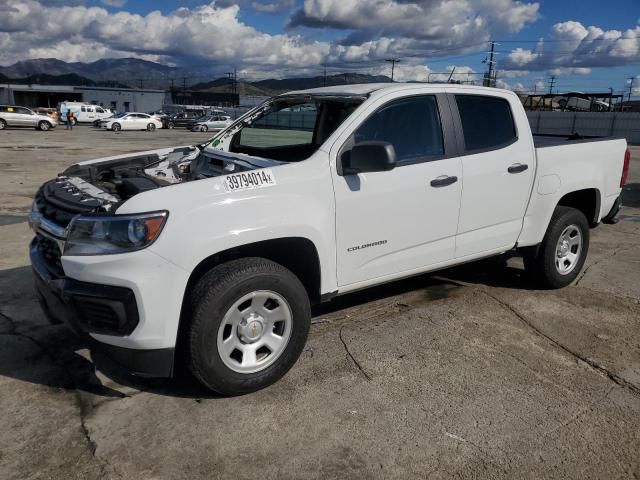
(50, 254)
(59, 202)
(96, 315)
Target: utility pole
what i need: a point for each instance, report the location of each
(393, 62)
(324, 77)
(451, 74)
(631, 79)
(488, 79)
(610, 98)
(552, 80)
(140, 83)
(184, 89)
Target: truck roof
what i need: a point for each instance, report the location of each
(368, 88)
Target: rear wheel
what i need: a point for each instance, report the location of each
(557, 261)
(170, 125)
(44, 126)
(151, 127)
(116, 127)
(3, 124)
(249, 323)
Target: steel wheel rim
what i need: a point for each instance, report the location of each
(255, 331)
(568, 250)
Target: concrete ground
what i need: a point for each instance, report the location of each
(467, 374)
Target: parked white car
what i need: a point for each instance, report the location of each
(221, 248)
(13, 116)
(214, 122)
(132, 121)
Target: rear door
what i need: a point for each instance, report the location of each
(498, 165)
(393, 223)
(23, 117)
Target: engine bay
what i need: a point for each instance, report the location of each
(102, 186)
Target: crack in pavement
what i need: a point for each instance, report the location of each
(598, 262)
(596, 367)
(578, 414)
(70, 379)
(350, 355)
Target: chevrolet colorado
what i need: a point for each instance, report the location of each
(219, 249)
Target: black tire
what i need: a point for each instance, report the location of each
(44, 126)
(170, 125)
(116, 127)
(151, 127)
(540, 261)
(204, 128)
(3, 124)
(214, 295)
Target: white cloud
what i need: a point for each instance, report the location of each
(427, 25)
(114, 3)
(574, 48)
(30, 29)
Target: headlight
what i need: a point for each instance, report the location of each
(107, 234)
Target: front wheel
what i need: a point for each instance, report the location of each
(170, 125)
(557, 261)
(3, 124)
(44, 126)
(204, 128)
(116, 127)
(249, 323)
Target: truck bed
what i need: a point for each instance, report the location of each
(542, 141)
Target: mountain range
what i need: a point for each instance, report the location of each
(133, 72)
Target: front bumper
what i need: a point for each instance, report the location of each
(100, 311)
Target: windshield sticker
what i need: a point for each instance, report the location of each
(249, 180)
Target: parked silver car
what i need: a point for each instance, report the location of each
(12, 116)
(213, 122)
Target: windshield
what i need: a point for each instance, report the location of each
(119, 115)
(288, 129)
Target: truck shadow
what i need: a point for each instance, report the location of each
(631, 195)
(32, 350)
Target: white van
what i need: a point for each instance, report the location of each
(84, 112)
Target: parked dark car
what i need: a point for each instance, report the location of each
(188, 118)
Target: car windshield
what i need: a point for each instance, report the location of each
(291, 129)
(120, 115)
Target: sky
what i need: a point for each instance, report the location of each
(588, 45)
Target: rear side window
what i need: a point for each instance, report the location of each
(487, 122)
(411, 125)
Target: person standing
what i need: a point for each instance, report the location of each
(70, 119)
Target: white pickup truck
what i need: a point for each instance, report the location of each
(218, 250)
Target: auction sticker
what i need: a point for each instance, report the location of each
(249, 180)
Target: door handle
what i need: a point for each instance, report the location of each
(443, 181)
(517, 168)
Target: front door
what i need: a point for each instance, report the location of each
(403, 220)
(499, 166)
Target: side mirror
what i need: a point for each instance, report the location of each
(371, 156)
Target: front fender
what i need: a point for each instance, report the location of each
(204, 218)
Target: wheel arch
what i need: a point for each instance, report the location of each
(586, 200)
(298, 254)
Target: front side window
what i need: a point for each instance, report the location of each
(412, 125)
(23, 111)
(487, 122)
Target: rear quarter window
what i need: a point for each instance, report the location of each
(487, 122)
